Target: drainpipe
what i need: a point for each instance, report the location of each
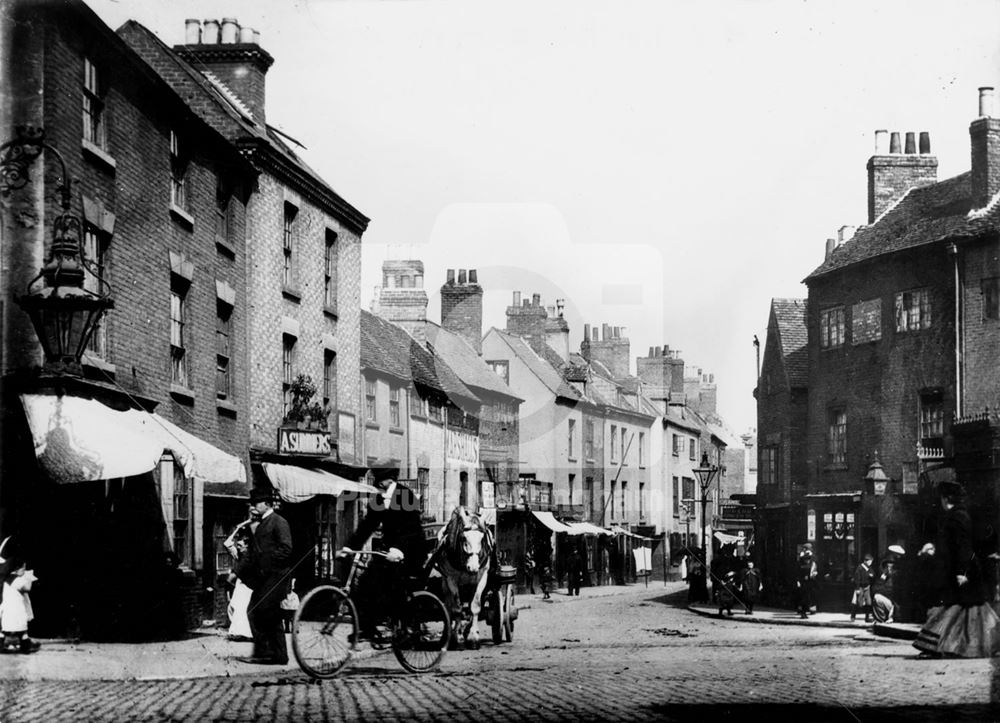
(959, 391)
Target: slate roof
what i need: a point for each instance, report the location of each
(465, 362)
(681, 417)
(215, 104)
(387, 348)
(546, 373)
(923, 216)
(790, 318)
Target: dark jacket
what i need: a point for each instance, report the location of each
(955, 557)
(863, 576)
(750, 582)
(399, 518)
(272, 547)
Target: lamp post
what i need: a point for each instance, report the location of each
(705, 474)
(63, 313)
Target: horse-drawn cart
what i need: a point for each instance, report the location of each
(498, 608)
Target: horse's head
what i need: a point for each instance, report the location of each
(469, 541)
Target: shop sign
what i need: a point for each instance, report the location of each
(827, 525)
(304, 441)
(811, 525)
(462, 447)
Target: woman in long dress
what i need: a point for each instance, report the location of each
(961, 623)
(240, 576)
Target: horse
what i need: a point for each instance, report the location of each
(463, 556)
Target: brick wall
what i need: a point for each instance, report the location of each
(981, 260)
(878, 383)
(985, 141)
(462, 309)
(318, 328)
(890, 177)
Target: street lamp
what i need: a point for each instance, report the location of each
(876, 477)
(63, 313)
(705, 474)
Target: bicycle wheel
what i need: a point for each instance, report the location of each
(420, 635)
(324, 631)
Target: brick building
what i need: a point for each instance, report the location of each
(148, 174)
(782, 472)
(302, 276)
(901, 342)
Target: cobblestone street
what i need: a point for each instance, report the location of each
(637, 655)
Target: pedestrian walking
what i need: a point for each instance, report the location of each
(805, 582)
(751, 586)
(862, 598)
(884, 593)
(546, 581)
(697, 587)
(961, 623)
(272, 552)
(574, 569)
(726, 594)
(528, 565)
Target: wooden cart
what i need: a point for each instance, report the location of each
(498, 608)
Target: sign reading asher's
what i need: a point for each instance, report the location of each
(462, 447)
(304, 441)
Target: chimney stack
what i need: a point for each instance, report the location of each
(984, 134)
(831, 244)
(892, 174)
(233, 56)
(612, 350)
(528, 320)
(402, 299)
(462, 307)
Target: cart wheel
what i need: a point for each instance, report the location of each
(508, 613)
(496, 617)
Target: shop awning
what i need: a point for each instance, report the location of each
(298, 484)
(82, 440)
(727, 539)
(618, 530)
(586, 528)
(547, 519)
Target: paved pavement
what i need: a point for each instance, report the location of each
(779, 616)
(633, 654)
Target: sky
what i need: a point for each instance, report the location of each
(665, 167)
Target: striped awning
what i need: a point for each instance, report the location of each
(298, 484)
(547, 519)
(586, 528)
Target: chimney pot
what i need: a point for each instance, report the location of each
(209, 32)
(894, 146)
(881, 142)
(560, 305)
(246, 35)
(925, 143)
(911, 142)
(473, 277)
(831, 244)
(986, 108)
(462, 277)
(526, 304)
(651, 352)
(192, 31)
(536, 299)
(594, 334)
(517, 298)
(450, 276)
(711, 379)
(586, 332)
(230, 30)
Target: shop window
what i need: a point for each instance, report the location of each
(913, 310)
(326, 537)
(93, 105)
(831, 327)
(991, 298)
(836, 437)
(932, 418)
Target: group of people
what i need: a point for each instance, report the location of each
(545, 576)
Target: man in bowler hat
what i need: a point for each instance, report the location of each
(272, 553)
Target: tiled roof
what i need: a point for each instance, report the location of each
(216, 104)
(923, 216)
(546, 373)
(682, 417)
(790, 317)
(464, 361)
(387, 348)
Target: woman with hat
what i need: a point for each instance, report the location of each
(960, 623)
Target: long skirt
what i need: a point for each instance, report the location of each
(239, 623)
(964, 631)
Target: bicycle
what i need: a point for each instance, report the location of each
(325, 626)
